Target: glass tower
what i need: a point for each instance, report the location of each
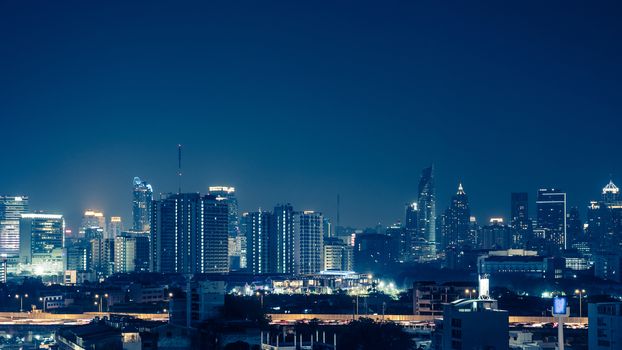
(141, 205)
(11, 209)
(427, 213)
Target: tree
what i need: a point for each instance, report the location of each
(365, 334)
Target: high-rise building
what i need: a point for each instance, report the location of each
(496, 235)
(42, 239)
(283, 226)
(258, 227)
(605, 326)
(308, 238)
(189, 234)
(141, 205)
(574, 227)
(399, 249)
(337, 255)
(102, 256)
(131, 252)
(92, 219)
(426, 203)
(520, 224)
(457, 216)
(228, 194)
(115, 227)
(78, 254)
(410, 231)
(604, 220)
(551, 205)
(11, 209)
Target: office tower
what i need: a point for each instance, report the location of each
(457, 218)
(283, 216)
(189, 234)
(371, 252)
(604, 220)
(308, 238)
(11, 209)
(141, 205)
(237, 255)
(102, 256)
(338, 256)
(410, 231)
(115, 227)
(551, 205)
(426, 203)
(496, 235)
(131, 252)
(78, 256)
(92, 219)
(42, 239)
(574, 229)
(258, 228)
(520, 223)
(399, 250)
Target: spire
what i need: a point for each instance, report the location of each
(611, 188)
(460, 189)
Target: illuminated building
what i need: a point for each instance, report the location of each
(308, 237)
(520, 263)
(455, 225)
(260, 250)
(496, 235)
(371, 252)
(115, 227)
(78, 254)
(189, 234)
(42, 239)
(283, 227)
(410, 231)
(131, 252)
(426, 224)
(551, 207)
(400, 251)
(102, 256)
(141, 205)
(604, 220)
(520, 224)
(92, 219)
(429, 296)
(11, 209)
(228, 194)
(338, 256)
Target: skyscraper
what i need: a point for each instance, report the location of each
(42, 239)
(115, 227)
(228, 194)
(11, 209)
(520, 223)
(426, 203)
(604, 219)
(189, 234)
(284, 239)
(92, 219)
(141, 205)
(410, 231)
(457, 218)
(258, 228)
(309, 234)
(551, 205)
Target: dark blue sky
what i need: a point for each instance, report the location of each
(300, 100)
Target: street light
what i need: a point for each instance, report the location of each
(101, 297)
(21, 301)
(580, 292)
(470, 292)
(260, 295)
(42, 300)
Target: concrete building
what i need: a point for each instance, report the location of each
(337, 255)
(42, 240)
(11, 209)
(429, 296)
(308, 238)
(473, 324)
(605, 326)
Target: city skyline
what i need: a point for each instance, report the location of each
(300, 112)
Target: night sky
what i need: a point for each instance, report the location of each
(298, 101)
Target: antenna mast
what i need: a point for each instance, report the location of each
(179, 165)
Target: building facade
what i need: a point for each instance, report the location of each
(308, 238)
(42, 240)
(142, 197)
(11, 209)
(426, 221)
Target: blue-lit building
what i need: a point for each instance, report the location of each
(426, 204)
(189, 234)
(284, 238)
(551, 207)
(261, 249)
(11, 209)
(42, 240)
(141, 205)
(308, 237)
